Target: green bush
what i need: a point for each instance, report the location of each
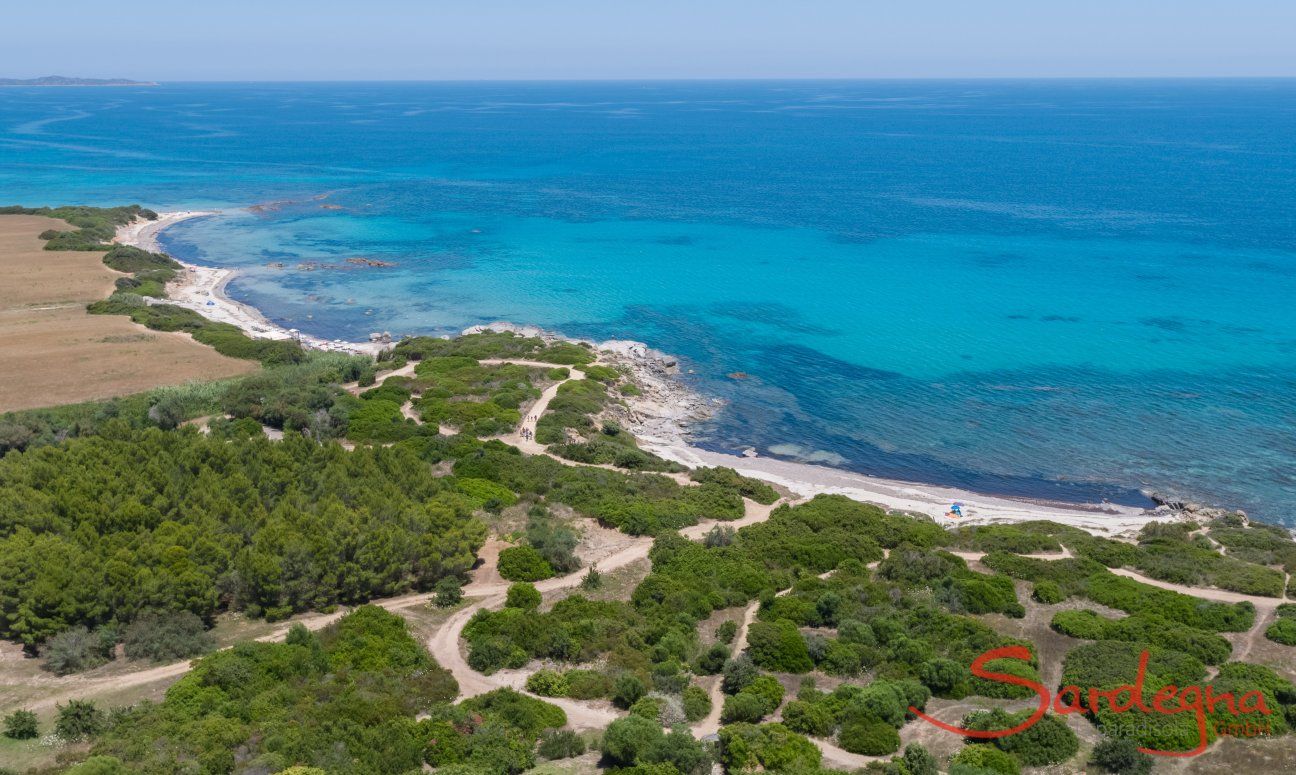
(449, 592)
(132, 260)
(760, 697)
(744, 707)
(697, 703)
(95, 226)
(746, 486)
(1047, 741)
(1208, 647)
(778, 646)
(77, 649)
(522, 563)
(526, 714)
(167, 637)
(727, 630)
(555, 542)
(916, 761)
(1084, 623)
(560, 744)
(588, 684)
(809, 718)
(78, 720)
(629, 739)
(1048, 592)
(713, 659)
(548, 683)
(984, 758)
(523, 595)
(627, 689)
(1122, 757)
(869, 736)
(21, 725)
(768, 747)
(1283, 631)
(649, 707)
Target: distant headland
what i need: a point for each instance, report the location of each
(60, 80)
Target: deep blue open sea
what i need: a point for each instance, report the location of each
(1065, 289)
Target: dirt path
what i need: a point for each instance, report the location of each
(711, 724)
(524, 437)
(1206, 593)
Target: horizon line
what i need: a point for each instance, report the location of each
(699, 79)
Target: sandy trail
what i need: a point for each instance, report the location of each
(524, 437)
(711, 724)
(1206, 593)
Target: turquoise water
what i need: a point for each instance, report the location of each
(1074, 290)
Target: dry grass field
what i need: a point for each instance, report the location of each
(53, 352)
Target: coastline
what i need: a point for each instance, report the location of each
(661, 416)
(202, 289)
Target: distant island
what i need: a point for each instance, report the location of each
(60, 80)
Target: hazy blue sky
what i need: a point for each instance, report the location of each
(437, 39)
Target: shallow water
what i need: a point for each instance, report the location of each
(1055, 289)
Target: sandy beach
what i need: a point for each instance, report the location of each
(661, 417)
(202, 289)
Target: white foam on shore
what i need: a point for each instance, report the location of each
(660, 418)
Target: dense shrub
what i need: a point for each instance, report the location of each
(778, 646)
(588, 684)
(555, 542)
(649, 707)
(697, 703)
(1208, 647)
(21, 725)
(771, 747)
(1047, 741)
(627, 739)
(522, 563)
(868, 736)
(560, 744)
(449, 592)
(78, 720)
(809, 718)
(1122, 757)
(548, 683)
(1048, 592)
(727, 630)
(1283, 630)
(713, 659)
(523, 595)
(77, 649)
(527, 714)
(746, 486)
(167, 637)
(627, 689)
(759, 698)
(981, 758)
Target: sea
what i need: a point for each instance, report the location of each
(1066, 289)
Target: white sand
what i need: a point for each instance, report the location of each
(202, 289)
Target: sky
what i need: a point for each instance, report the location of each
(182, 40)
